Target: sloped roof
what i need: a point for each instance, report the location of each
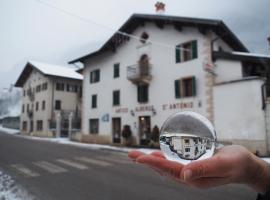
(241, 56)
(47, 70)
(178, 22)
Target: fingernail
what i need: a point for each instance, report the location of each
(187, 174)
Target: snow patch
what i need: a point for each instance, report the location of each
(9, 131)
(9, 190)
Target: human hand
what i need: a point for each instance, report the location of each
(230, 164)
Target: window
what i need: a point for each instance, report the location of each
(43, 105)
(187, 149)
(38, 88)
(72, 88)
(116, 70)
(185, 87)
(116, 98)
(36, 106)
(24, 125)
(142, 93)
(186, 51)
(57, 105)
(60, 86)
(24, 93)
(22, 108)
(44, 86)
(27, 107)
(94, 101)
(39, 125)
(186, 141)
(93, 126)
(94, 76)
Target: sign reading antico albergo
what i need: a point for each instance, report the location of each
(170, 106)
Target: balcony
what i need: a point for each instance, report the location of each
(139, 73)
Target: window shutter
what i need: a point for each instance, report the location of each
(177, 54)
(98, 75)
(91, 74)
(177, 86)
(194, 49)
(194, 86)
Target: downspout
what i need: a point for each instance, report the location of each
(52, 104)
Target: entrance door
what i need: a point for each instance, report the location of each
(116, 130)
(144, 129)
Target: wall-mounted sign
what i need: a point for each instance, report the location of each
(182, 105)
(144, 108)
(209, 68)
(121, 110)
(105, 117)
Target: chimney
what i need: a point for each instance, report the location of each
(160, 7)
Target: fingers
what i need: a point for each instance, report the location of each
(158, 154)
(162, 165)
(135, 154)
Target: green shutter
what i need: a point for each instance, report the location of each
(178, 54)
(193, 86)
(194, 49)
(177, 86)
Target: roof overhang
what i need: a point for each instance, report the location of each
(160, 20)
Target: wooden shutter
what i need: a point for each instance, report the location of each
(193, 86)
(194, 49)
(177, 54)
(177, 86)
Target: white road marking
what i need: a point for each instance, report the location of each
(24, 170)
(72, 164)
(94, 161)
(52, 168)
(114, 160)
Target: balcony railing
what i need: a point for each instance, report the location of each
(139, 73)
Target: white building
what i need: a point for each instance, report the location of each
(186, 146)
(177, 64)
(50, 94)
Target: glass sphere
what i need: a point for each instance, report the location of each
(187, 136)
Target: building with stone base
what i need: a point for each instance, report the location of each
(165, 64)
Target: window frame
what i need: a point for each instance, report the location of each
(93, 130)
(94, 76)
(116, 98)
(143, 93)
(116, 70)
(94, 101)
(181, 55)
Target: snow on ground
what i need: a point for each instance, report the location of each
(8, 130)
(9, 190)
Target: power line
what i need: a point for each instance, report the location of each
(109, 28)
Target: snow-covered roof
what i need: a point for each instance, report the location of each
(48, 70)
(56, 70)
(250, 54)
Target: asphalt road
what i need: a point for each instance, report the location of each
(52, 171)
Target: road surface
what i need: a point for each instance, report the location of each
(52, 171)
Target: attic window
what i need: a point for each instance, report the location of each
(144, 37)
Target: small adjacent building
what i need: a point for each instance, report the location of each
(51, 99)
(170, 64)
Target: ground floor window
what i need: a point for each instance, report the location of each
(93, 126)
(39, 125)
(24, 125)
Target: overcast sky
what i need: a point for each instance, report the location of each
(33, 31)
